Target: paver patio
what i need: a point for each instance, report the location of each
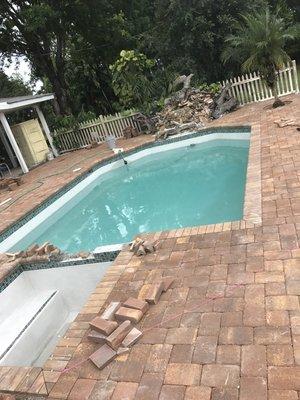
(229, 327)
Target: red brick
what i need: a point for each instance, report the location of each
(167, 282)
(133, 336)
(216, 375)
(183, 374)
(149, 387)
(236, 335)
(115, 339)
(158, 358)
(124, 391)
(181, 335)
(275, 289)
(253, 386)
(103, 356)
(277, 318)
(288, 303)
(281, 355)
(228, 354)
(283, 395)
(205, 349)
(103, 326)
(270, 335)
(154, 336)
(82, 389)
(224, 394)
(109, 312)
(154, 292)
(182, 353)
(254, 316)
(234, 318)
(287, 378)
(197, 393)
(172, 392)
(254, 361)
(137, 304)
(130, 314)
(97, 337)
(210, 324)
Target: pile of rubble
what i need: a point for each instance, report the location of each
(114, 330)
(190, 109)
(141, 247)
(35, 253)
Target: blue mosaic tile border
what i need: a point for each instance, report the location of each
(27, 217)
(100, 257)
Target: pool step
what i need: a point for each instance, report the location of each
(26, 328)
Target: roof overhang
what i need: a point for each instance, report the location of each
(16, 103)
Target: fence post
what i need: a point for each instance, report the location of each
(295, 76)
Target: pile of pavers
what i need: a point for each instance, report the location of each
(115, 329)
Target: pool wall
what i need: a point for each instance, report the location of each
(89, 180)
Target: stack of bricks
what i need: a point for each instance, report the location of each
(114, 329)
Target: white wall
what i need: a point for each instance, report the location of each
(23, 298)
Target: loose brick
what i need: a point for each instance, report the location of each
(130, 314)
(205, 349)
(270, 335)
(109, 312)
(251, 385)
(197, 393)
(283, 395)
(97, 337)
(287, 378)
(137, 304)
(154, 292)
(281, 355)
(167, 282)
(181, 335)
(228, 354)
(115, 339)
(124, 391)
(103, 326)
(183, 374)
(254, 361)
(103, 356)
(210, 324)
(216, 375)
(172, 392)
(236, 335)
(132, 337)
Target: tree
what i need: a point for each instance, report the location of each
(259, 42)
(64, 40)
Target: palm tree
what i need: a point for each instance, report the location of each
(259, 43)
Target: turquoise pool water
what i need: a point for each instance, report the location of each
(189, 186)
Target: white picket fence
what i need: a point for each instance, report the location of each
(97, 129)
(251, 88)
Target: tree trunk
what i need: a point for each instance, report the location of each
(277, 101)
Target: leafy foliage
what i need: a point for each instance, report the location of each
(259, 43)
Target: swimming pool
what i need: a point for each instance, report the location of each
(200, 182)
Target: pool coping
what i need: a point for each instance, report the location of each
(252, 216)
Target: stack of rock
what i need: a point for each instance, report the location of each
(114, 329)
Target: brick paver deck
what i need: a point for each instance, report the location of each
(229, 327)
